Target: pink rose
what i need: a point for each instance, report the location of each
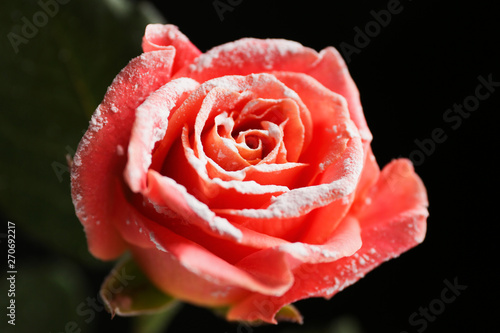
(241, 177)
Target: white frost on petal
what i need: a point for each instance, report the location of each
(155, 242)
(301, 201)
(216, 223)
(230, 144)
(150, 126)
(249, 187)
(304, 251)
(273, 50)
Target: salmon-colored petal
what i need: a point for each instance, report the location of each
(270, 252)
(284, 112)
(160, 36)
(176, 261)
(344, 242)
(220, 149)
(331, 70)
(268, 271)
(285, 174)
(331, 126)
(225, 247)
(224, 151)
(170, 276)
(398, 190)
(100, 158)
(369, 176)
(250, 55)
(165, 192)
(149, 127)
(386, 233)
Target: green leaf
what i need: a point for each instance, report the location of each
(55, 66)
(126, 291)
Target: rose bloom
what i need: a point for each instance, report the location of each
(241, 178)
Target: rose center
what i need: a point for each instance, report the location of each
(252, 142)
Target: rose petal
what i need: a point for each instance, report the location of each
(398, 190)
(369, 176)
(191, 109)
(278, 111)
(345, 241)
(302, 200)
(100, 159)
(160, 37)
(285, 174)
(224, 246)
(385, 232)
(250, 55)
(169, 275)
(178, 261)
(268, 271)
(331, 70)
(221, 150)
(330, 120)
(167, 193)
(149, 127)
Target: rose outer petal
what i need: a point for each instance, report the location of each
(100, 158)
(185, 269)
(331, 70)
(159, 37)
(149, 127)
(250, 55)
(386, 232)
(180, 267)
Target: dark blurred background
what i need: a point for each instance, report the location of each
(410, 71)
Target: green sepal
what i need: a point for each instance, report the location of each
(126, 291)
(289, 313)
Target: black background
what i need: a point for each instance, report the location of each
(424, 61)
